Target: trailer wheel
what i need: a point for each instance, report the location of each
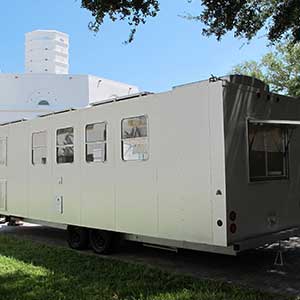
(77, 237)
(101, 241)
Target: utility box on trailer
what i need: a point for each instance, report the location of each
(211, 165)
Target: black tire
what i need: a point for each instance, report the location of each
(78, 237)
(101, 241)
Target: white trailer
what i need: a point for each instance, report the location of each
(211, 166)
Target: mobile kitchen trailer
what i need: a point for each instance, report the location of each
(211, 165)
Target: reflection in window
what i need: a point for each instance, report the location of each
(95, 142)
(39, 148)
(135, 138)
(268, 153)
(65, 145)
(3, 151)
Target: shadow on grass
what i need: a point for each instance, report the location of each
(29, 270)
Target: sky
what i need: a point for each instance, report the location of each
(167, 51)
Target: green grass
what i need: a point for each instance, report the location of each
(30, 270)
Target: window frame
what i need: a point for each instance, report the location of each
(86, 143)
(144, 138)
(64, 146)
(3, 193)
(32, 148)
(286, 162)
(5, 139)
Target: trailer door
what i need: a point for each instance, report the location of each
(66, 169)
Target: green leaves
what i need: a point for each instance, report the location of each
(247, 17)
(279, 68)
(279, 18)
(135, 12)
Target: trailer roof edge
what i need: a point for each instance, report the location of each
(121, 98)
(57, 112)
(13, 122)
(279, 122)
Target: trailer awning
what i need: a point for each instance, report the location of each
(289, 123)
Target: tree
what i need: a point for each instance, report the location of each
(247, 17)
(244, 17)
(279, 68)
(134, 12)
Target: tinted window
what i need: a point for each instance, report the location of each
(267, 152)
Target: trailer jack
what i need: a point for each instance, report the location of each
(13, 221)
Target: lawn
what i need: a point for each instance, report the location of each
(29, 270)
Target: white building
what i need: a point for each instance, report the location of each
(46, 51)
(46, 85)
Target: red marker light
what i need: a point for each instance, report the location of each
(232, 216)
(233, 228)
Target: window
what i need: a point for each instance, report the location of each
(268, 151)
(65, 145)
(3, 151)
(95, 142)
(135, 138)
(39, 148)
(43, 102)
(3, 194)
